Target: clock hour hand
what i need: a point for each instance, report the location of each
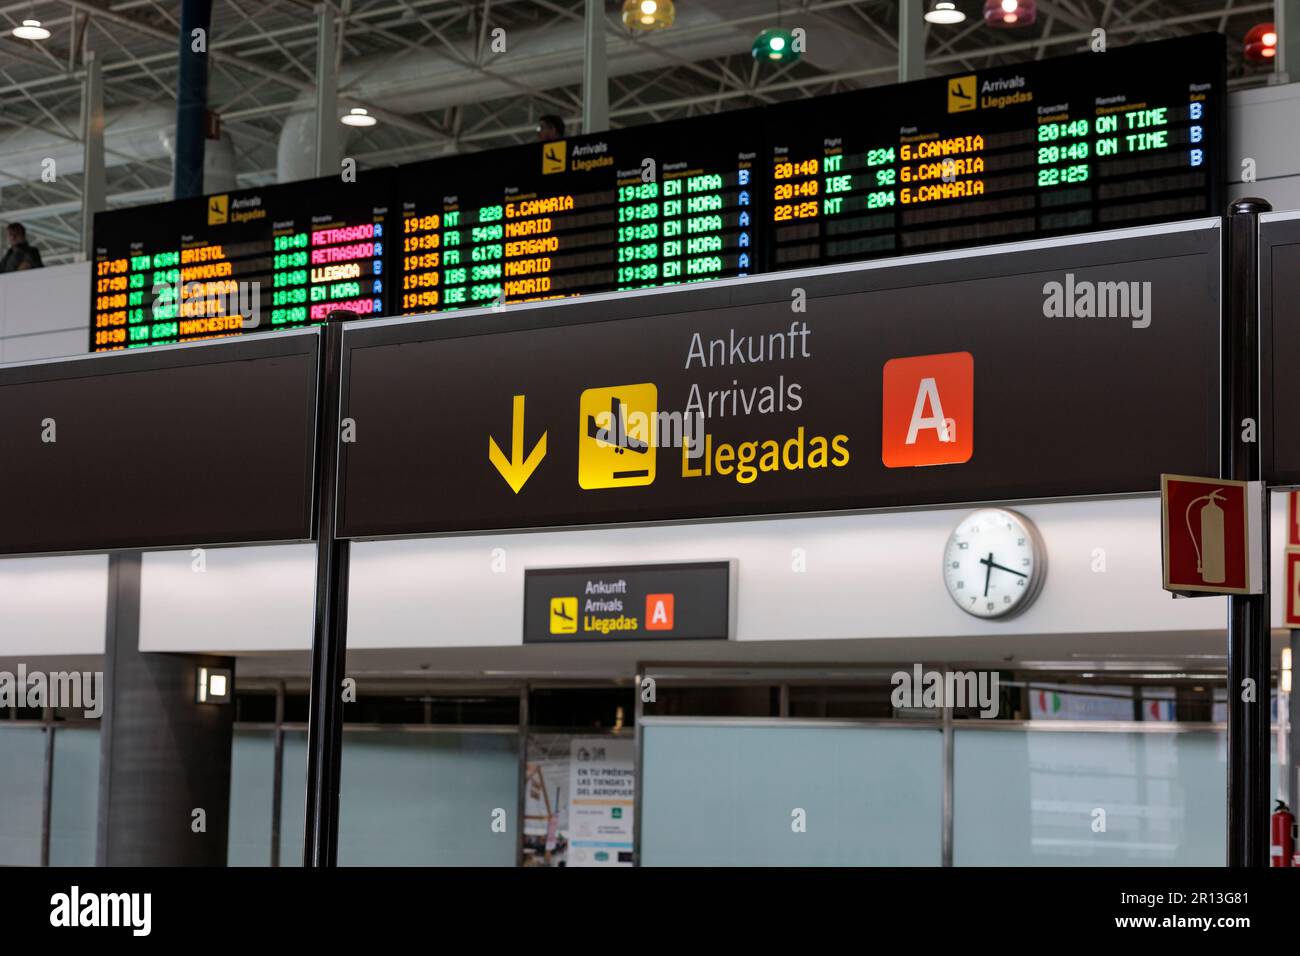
(988, 569)
(991, 564)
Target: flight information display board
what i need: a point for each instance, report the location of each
(252, 260)
(621, 210)
(1132, 136)
(1093, 141)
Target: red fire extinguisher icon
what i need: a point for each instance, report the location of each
(1211, 550)
(1283, 849)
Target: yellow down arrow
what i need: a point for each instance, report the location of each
(517, 469)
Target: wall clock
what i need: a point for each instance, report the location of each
(994, 564)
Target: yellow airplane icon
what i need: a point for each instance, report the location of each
(564, 615)
(961, 94)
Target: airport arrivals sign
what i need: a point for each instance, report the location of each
(650, 602)
(965, 378)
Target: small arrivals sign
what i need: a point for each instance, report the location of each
(649, 602)
(1211, 535)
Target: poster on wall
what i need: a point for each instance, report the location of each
(546, 803)
(602, 794)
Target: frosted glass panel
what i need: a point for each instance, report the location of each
(22, 776)
(252, 779)
(1030, 798)
(422, 799)
(716, 795)
(293, 798)
(412, 799)
(74, 796)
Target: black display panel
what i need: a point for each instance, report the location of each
(1093, 141)
(1057, 370)
(160, 448)
(1279, 312)
(647, 602)
(621, 210)
(257, 259)
(1066, 145)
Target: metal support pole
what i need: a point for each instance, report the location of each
(911, 40)
(1248, 621)
(330, 629)
(47, 784)
(277, 775)
(94, 189)
(327, 94)
(521, 809)
(595, 76)
(1286, 20)
(946, 807)
(191, 98)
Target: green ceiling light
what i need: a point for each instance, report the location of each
(648, 14)
(775, 43)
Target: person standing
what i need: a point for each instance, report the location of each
(550, 127)
(21, 254)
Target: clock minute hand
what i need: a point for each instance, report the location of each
(988, 569)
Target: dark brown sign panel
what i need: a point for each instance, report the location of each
(202, 444)
(647, 602)
(1047, 369)
(1279, 310)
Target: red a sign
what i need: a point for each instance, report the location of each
(659, 612)
(1205, 524)
(928, 410)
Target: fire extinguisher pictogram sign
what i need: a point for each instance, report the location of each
(1211, 531)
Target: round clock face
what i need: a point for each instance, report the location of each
(994, 563)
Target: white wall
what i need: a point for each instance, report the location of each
(243, 599)
(45, 313)
(1264, 125)
(53, 605)
(868, 576)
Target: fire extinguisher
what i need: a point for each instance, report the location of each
(1283, 849)
(1209, 544)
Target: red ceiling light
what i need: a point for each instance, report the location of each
(1261, 43)
(1010, 13)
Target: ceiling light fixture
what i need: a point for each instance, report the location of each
(648, 14)
(1261, 43)
(945, 12)
(31, 30)
(357, 116)
(1010, 13)
(775, 44)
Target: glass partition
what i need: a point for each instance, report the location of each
(74, 796)
(22, 783)
(413, 798)
(252, 783)
(812, 794)
(1082, 798)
